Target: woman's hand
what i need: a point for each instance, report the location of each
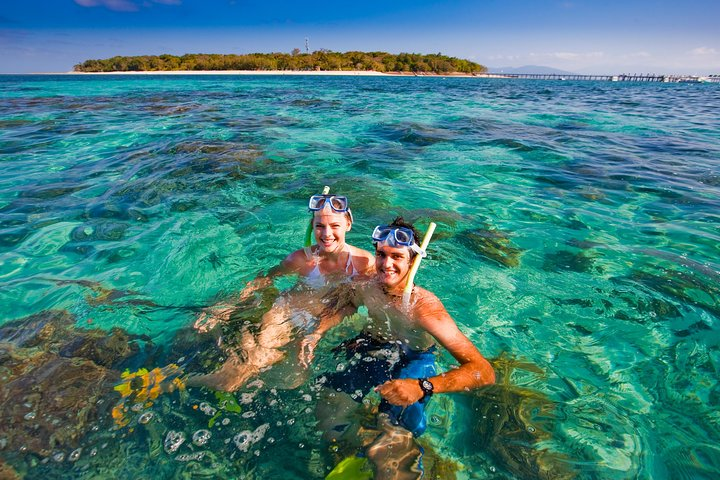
(307, 349)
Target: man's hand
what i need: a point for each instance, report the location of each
(307, 349)
(402, 392)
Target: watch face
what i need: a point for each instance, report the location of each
(427, 385)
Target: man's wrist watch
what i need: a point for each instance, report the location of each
(427, 387)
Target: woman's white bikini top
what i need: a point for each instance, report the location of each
(316, 279)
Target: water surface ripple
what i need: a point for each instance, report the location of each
(578, 234)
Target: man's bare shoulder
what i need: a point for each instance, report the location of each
(427, 305)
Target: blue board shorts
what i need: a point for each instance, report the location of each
(372, 362)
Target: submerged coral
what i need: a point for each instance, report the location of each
(510, 422)
(492, 244)
(56, 378)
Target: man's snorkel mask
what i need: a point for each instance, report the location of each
(394, 236)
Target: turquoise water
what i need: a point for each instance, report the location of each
(577, 233)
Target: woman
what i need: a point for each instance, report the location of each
(329, 262)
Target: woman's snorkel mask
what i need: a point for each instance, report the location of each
(336, 203)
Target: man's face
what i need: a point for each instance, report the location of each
(392, 264)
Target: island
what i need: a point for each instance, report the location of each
(320, 60)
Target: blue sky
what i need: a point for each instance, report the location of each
(610, 36)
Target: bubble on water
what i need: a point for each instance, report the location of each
(531, 429)
(138, 407)
(246, 438)
(74, 455)
(435, 420)
(248, 414)
(308, 410)
(145, 417)
(273, 391)
(273, 402)
(93, 452)
(247, 398)
(58, 457)
(307, 397)
(187, 457)
(301, 445)
(291, 421)
(30, 416)
(208, 409)
(173, 440)
(340, 367)
(278, 423)
(256, 384)
(27, 404)
(201, 437)
(271, 440)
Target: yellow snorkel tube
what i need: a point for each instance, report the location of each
(416, 264)
(309, 231)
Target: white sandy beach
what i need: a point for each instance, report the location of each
(321, 73)
(363, 73)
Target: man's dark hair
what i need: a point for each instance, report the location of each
(400, 222)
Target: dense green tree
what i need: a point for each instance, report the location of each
(318, 60)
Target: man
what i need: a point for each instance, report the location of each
(394, 355)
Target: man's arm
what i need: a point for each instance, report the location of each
(474, 370)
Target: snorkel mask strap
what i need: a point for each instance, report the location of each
(309, 231)
(390, 242)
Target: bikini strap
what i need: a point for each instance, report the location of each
(349, 265)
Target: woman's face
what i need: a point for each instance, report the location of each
(330, 229)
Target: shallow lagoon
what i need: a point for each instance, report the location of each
(577, 243)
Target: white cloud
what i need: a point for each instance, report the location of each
(635, 55)
(504, 57)
(703, 51)
(569, 55)
(124, 5)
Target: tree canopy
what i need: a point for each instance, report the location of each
(318, 60)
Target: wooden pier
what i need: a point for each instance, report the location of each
(634, 77)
